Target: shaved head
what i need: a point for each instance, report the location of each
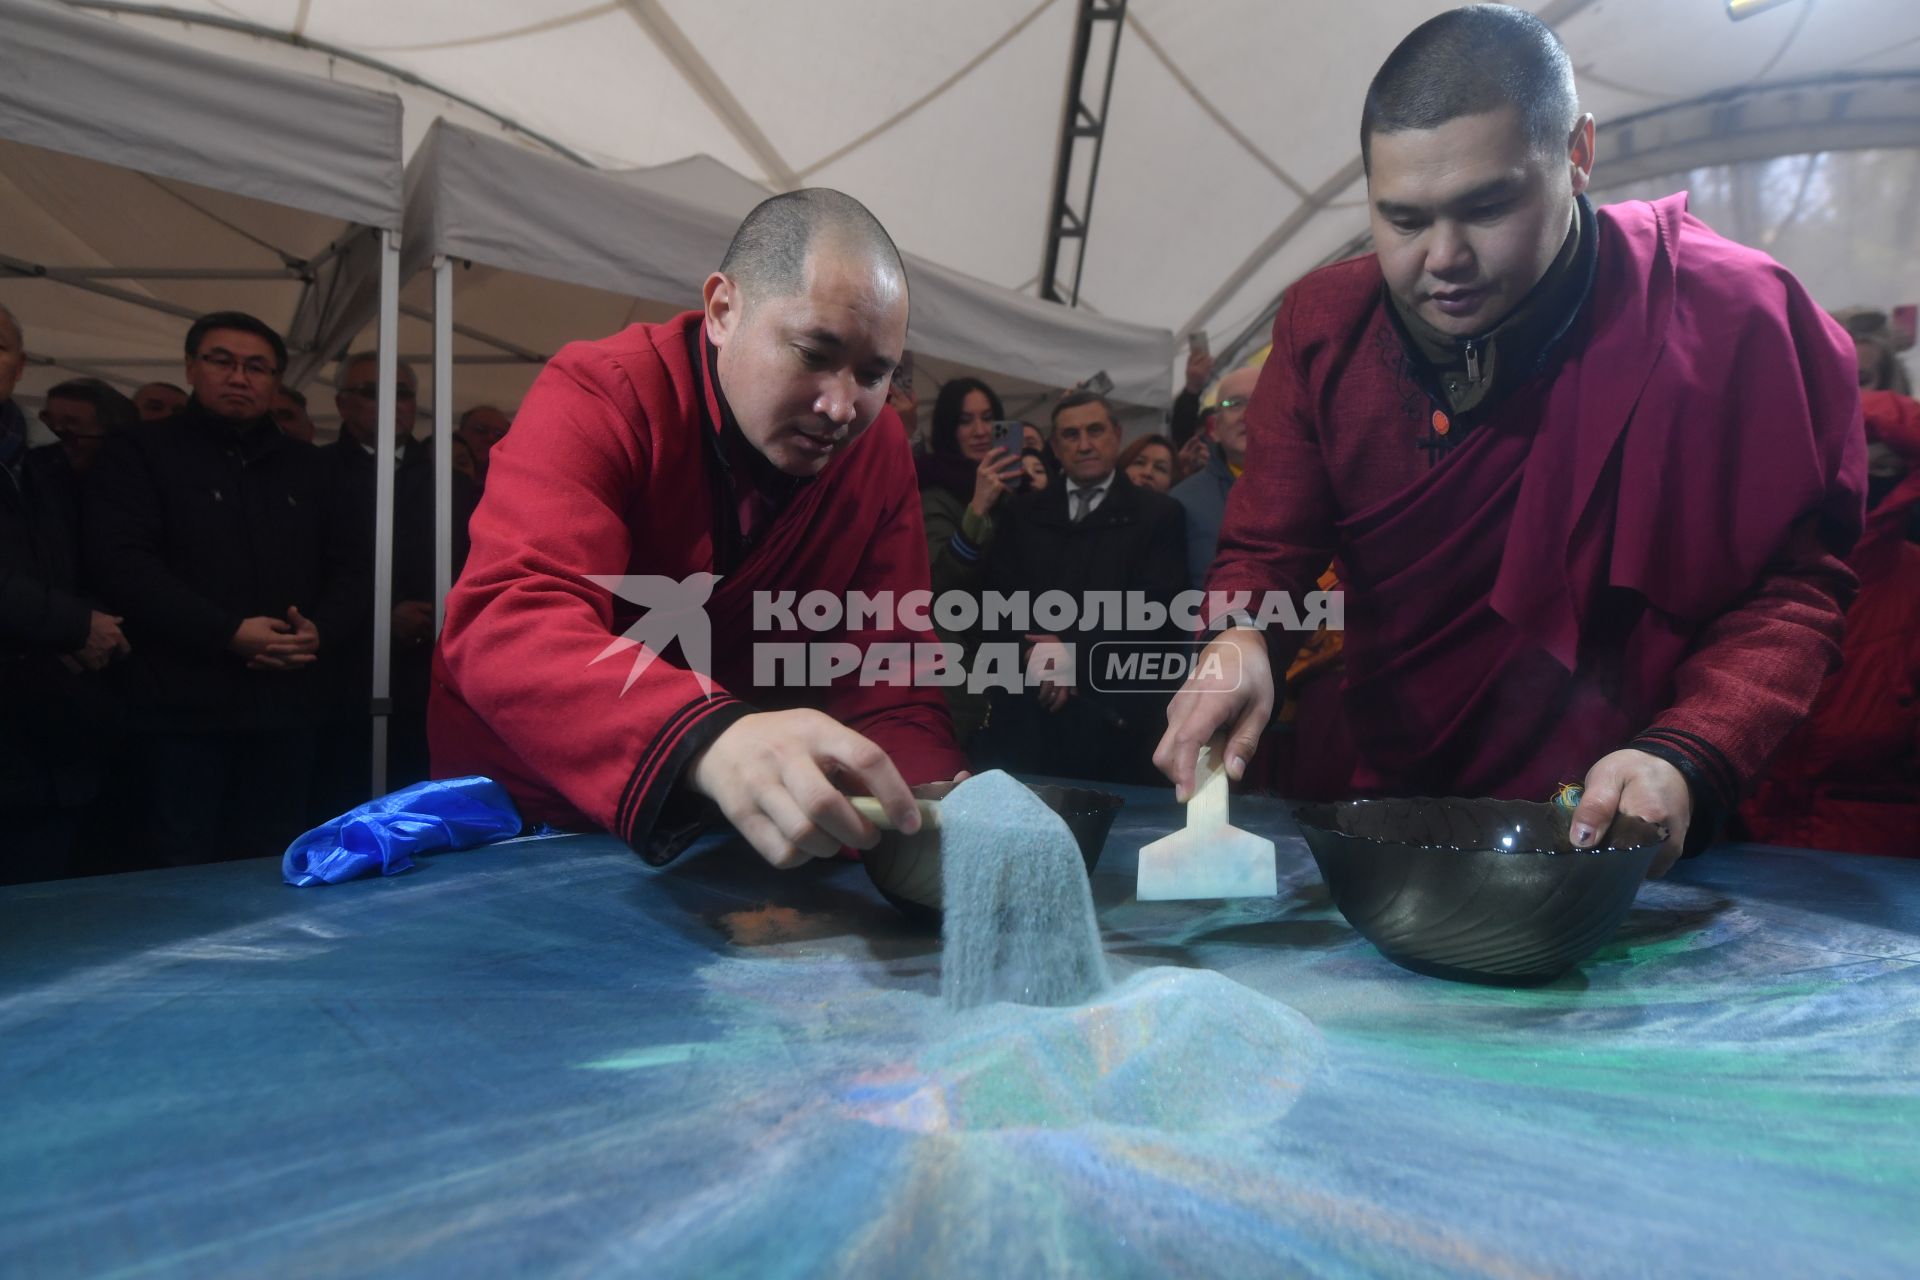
(768, 256)
(1468, 62)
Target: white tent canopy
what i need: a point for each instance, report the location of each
(1229, 165)
(73, 84)
(143, 183)
(654, 235)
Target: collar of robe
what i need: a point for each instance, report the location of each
(1471, 376)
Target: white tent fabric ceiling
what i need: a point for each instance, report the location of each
(944, 116)
(124, 178)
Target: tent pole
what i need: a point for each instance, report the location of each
(384, 457)
(442, 436)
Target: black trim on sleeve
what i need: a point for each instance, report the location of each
(1711, 807)
(658, 817)
(1709, 761)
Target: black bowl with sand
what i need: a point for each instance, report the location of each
(906, 868)
(1489, 891)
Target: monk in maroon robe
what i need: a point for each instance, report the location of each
(1590, 475)
(738, 450)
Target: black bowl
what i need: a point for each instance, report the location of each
(1477, 890)
(906, 869)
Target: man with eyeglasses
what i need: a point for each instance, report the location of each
(215, 536)
(81, 413)
(1203, 495)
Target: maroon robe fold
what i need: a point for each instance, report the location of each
(609, 472)
(1643, 542)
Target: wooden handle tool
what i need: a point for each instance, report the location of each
(869, 808)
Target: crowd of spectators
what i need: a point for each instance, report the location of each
(186, 605)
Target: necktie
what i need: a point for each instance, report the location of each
(1082, 503)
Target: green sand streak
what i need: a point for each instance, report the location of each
(1752, 1105)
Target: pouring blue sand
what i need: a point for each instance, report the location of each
(1019, 923)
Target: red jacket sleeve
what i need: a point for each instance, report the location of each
(1278, 533)
(1752, 673)
(525, 624)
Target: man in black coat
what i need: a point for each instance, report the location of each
(352, 457)
(212, 533)
(1095, 534)
(56, 721)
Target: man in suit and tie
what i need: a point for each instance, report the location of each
(1094, 535)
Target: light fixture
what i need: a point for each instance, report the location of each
(1738, 9)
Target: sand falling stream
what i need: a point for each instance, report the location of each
(1019, 923)
(1031, 1031)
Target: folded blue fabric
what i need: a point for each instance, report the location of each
(383, 835)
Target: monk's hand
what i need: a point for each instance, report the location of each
(1640, 786)
(1233, 696)
(769, 775)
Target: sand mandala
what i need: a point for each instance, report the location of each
(1181, 1050)
(1094, 1124)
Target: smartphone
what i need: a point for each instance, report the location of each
(1011, 436)
(1197, 343)
(903, 372)
(1100, 384)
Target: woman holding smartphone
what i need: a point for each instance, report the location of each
(964, 477)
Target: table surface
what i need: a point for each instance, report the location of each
(546, 1058)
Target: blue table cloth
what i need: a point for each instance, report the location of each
(546, 1058)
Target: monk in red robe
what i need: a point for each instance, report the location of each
(1589, 474)
(743, 449)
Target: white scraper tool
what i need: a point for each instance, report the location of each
(1209, 858)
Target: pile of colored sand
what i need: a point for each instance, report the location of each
(1019, 924)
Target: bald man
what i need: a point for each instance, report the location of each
(655, 485)
(1203, 495)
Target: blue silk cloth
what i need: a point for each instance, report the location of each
(383, 834)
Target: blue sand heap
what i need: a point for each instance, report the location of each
(1019, 920)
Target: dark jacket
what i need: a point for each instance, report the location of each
(355, 477)
(55, 721)
(1134, 541)
(41, 608)
(191, 526)
(1203, 495)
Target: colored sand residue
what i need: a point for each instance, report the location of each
(1179, 1050)
(1019, 923)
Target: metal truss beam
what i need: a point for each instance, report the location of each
(1082, 132)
